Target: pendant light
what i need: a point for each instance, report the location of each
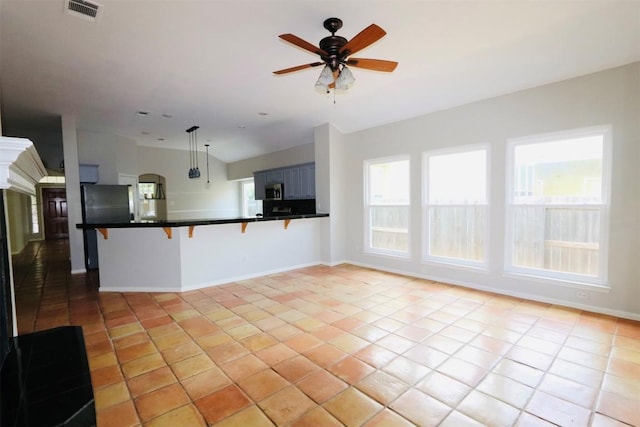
(159, 193)
(194, 171)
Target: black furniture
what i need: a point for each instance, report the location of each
(45, 381)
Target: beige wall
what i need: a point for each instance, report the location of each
(292, 156)
(112, 153)
(19, 218)
(192, 198)
(610, 97)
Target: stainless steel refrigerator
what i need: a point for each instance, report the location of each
(102, 204)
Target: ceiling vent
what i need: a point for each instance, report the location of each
(88, 10)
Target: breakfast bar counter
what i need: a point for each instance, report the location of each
(182, 255)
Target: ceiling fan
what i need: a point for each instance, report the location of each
(335, 52)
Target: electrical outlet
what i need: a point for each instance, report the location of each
(582, 295)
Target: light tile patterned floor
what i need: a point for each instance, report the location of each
(335, 346)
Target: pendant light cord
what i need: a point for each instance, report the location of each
(207, 148)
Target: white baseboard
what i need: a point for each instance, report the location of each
(205, 284)
(531, 297)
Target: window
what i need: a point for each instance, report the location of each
(35, 220)
(558, 205)
(148, 202)
(250, 206)
(387, 206)
(455, 206)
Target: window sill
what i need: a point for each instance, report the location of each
(389, 255)
(442, 262)
(559, 282)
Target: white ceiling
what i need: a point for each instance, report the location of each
(210, 63)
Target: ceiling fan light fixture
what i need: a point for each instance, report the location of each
(345, 80)
(325, 79)
(335, 53)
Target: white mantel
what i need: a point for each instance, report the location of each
(20, 165)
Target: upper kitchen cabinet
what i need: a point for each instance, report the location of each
(275, 176)
(308, 181)
(259, 182)
(299, 181)
(292, 183)
(88, 174)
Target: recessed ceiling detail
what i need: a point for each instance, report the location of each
(90, 11)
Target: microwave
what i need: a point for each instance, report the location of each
(273, 192)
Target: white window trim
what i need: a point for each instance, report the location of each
(367, 215)
(244, 207)
(571, 280)
(457, 262)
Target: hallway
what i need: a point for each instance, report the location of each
(333, 346)
(47, 295)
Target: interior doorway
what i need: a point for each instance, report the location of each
(54, 212)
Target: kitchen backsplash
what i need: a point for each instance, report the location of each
(298, 207)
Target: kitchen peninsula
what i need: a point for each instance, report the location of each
(177, 256)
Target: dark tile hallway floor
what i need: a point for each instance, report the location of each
(333, 346)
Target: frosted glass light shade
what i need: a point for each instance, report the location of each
(325, 79)
(345, 80)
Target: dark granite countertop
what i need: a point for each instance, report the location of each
(46, 380)
(194, 222)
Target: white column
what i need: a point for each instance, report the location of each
(330, 191)
(72, 179)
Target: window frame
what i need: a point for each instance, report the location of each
(367, 247)
(553, 276)
(244, 205)
(457, 262)
(150, 202)
(35, 227)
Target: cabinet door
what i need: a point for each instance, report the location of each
(292, 183)
(275, 176)
(308, 181)
(259, 181)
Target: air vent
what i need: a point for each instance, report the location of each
(83, 9)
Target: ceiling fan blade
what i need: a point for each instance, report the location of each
(299, 67)
(373, 64)
(364, 38)
(303, 44)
